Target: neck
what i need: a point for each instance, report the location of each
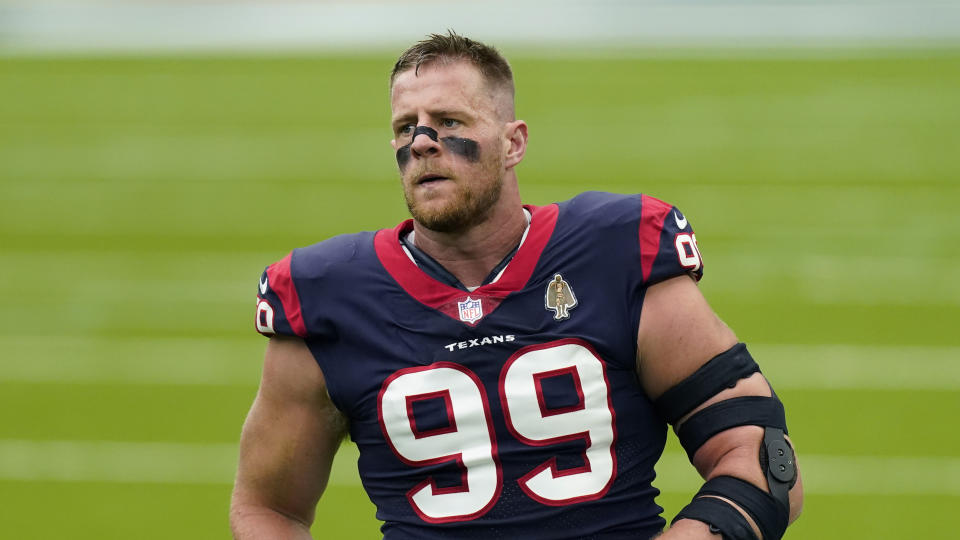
(472, 254)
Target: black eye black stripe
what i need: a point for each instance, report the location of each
(424, 130)
(466, 148)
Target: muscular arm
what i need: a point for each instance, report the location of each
(289, 439)
(678, 334)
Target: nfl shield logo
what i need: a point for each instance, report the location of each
(471, 310)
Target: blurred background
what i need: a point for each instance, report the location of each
(156, 155)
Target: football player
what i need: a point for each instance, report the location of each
(506, 370)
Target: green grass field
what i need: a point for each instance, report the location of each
(141, 198)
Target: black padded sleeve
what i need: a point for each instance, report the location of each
(730, 413)
(771, 518)
(721, 517)
(720, 372)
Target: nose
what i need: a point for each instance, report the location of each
(425, 141)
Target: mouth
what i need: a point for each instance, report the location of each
(430, 178)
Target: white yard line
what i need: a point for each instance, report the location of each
(843, 475)
(110, 461)
(181, 463)
(859, 366)
(131, 361)
(237, 362)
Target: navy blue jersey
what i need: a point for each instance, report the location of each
(514, 410)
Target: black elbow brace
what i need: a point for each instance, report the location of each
(770, 511)
(722, 518)
(721, 372)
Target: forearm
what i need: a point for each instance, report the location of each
(723, 459)
(249, 522)
(730, 462)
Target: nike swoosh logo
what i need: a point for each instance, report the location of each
(681, 221)
(263, 285)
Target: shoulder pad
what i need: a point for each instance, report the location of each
(599, 208)
(305, 275)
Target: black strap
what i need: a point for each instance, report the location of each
(730, 413)
(720, 516)
(720, 372)
(771, 518)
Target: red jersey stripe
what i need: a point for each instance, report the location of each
(653, 212)
(281, 282)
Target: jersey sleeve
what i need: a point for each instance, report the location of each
(278, 304)
(668, 245)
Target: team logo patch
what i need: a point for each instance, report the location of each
(263, 284)
(471, 310)
(560, 298)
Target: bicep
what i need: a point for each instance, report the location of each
(290, 435)
(678, 333)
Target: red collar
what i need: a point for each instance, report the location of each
(441, 296)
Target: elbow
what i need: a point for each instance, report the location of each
(241, 512)
(796, 497)
(735, 452)
(238, 519)
(247, 521)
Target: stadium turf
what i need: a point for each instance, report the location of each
(141, 198)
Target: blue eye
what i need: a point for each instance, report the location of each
(449, 123)
(405, 129)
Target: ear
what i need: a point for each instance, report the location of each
(516, 143)
(393, 143)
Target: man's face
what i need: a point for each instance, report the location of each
(448, 137)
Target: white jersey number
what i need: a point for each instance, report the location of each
(264, 319)
(591, 419)
(468, 437)
(688, 252)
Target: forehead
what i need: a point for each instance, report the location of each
(439, 86)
